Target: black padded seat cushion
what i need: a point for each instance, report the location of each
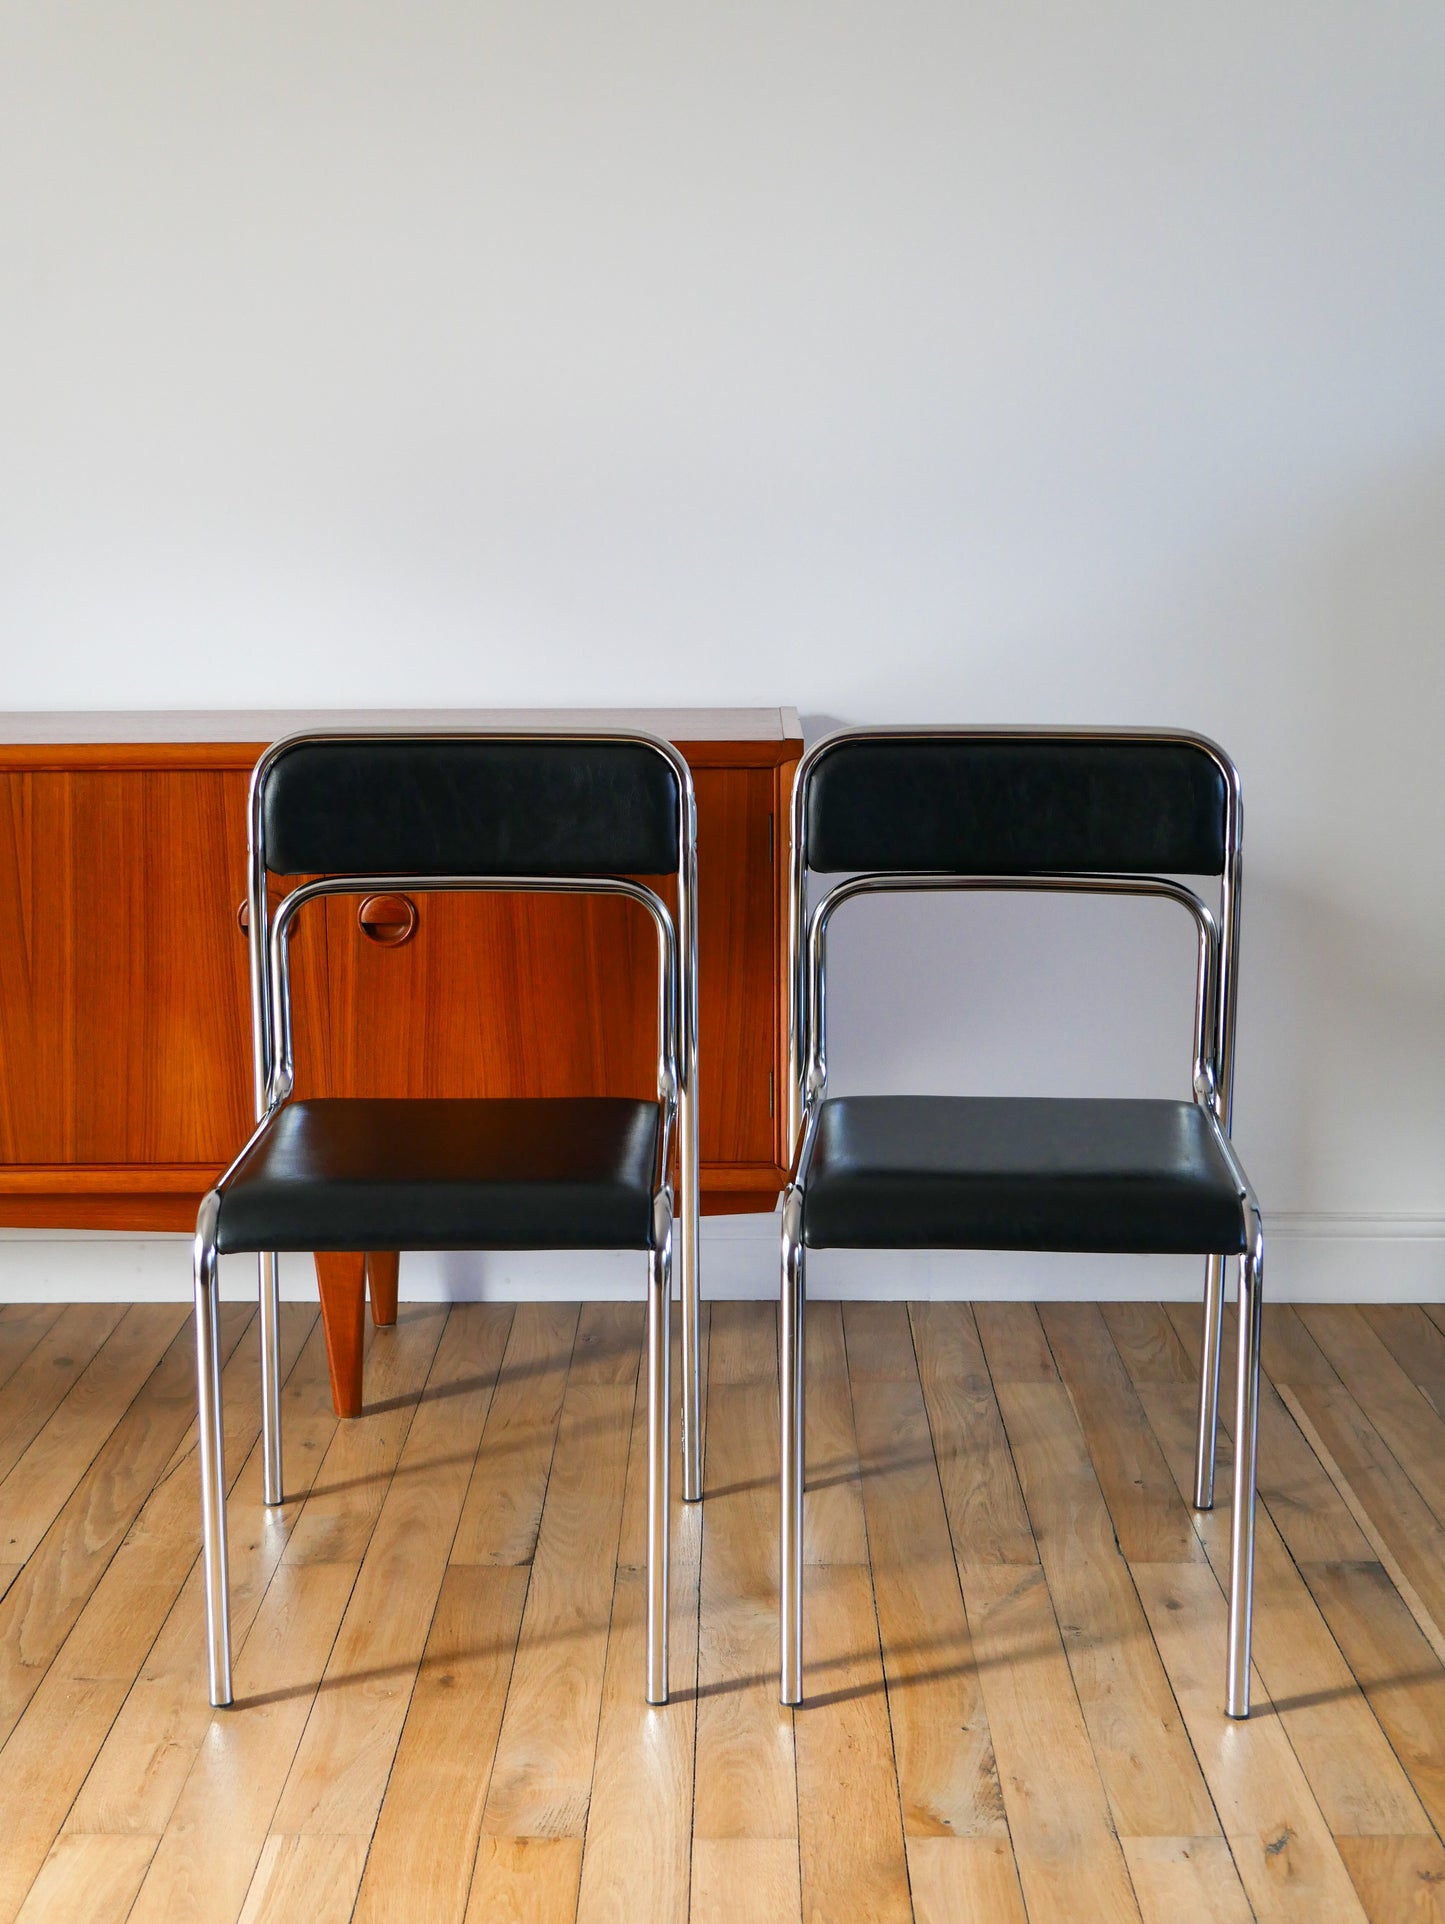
(501, 1173)
(1000, 1172)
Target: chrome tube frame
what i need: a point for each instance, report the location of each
(280, 1083)
(1225, 1000)
(688, 1200)
(1227, 1003)
(659, 1454)
(274, 1078)
(791, 1361)
(1225, 996)
(211, 1440)
(689, 1221)
(1246, 1438)
(267, 1280)
(669, 1000)
(1246, 1455)
(815, 1062)
(1212, 1081)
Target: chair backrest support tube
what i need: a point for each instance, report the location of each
(814, 1027)
(263, 952)
(1216, 1000)
(669, 998)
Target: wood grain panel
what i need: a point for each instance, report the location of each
(746, 1782)
(93, 1877)
(54, 1747)
(857, 1807)
(122, 973)
(1140, 1746)
(1186, 1880)
(738, 1018)
(947, 1777)
(119, 887)
(542, 1776)
(1355, 1776)
(431, 1817)
(850, 1849)
(1282, 1848)
(142, 1766)
(1068, 1854)
(492, 996)
(124, 1002)
(361, 1706)
(22, 1326)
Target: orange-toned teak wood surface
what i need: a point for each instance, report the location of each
(124, 999)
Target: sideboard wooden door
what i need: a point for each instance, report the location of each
(123, 997)
(125, 1078)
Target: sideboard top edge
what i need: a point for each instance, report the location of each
(63, 728)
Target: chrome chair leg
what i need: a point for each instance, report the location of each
(1246, 1442)
(790, 1392)
(659, 1446)
(212, 1455)
(1209, 1349)
(689, 1228)
(270, 1320)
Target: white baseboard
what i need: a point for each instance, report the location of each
(1310, 1259)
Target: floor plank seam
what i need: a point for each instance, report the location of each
(283, 1777)
(1289, 1404)
(1434, 1506)
(530, 1566)
(1193, 1515)
(436, 1601)
(873, 1597)
(140, 1391)
(1408, 1594)
(967, 1311)
(611, 1622)
(164, 1478)
(1342, 1765)
(1314, 1443)
(705, 1349)
(56, 1521)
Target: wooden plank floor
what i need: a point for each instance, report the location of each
(1015, 1627)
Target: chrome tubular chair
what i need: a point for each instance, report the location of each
(1105, 814)
(373, 813)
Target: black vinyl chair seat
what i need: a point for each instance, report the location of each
(1002, 1172)
(495, 1173)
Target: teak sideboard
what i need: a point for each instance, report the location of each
(124, 995)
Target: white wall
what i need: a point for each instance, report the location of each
(928, 361)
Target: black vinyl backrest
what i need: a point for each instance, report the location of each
(444, 806)
(1017, 806)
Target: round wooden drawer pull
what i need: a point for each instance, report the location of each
(387, 919)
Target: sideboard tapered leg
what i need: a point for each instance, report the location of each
(342, 1282)
(382, 1267)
